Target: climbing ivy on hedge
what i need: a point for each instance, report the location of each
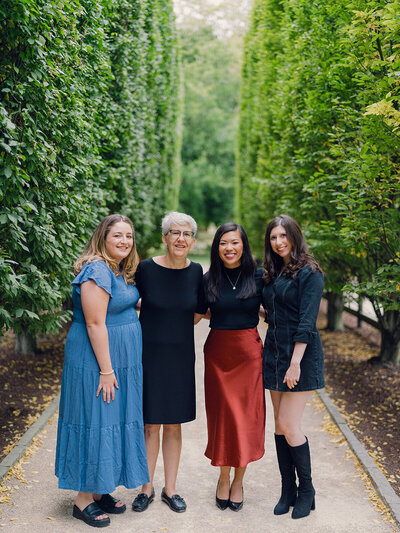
(145, 97)
(89, 117)
(319, 139)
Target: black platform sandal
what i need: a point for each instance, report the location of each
(89, 515)
(109, 504)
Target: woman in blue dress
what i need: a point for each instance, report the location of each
(100, 441)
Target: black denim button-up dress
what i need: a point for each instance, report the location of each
(292, 306)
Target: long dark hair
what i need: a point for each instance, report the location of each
(299, 254)
(213, 278)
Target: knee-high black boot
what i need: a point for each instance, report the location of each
(306, 493)
(286, 467)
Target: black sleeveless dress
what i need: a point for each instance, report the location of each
(169, 300)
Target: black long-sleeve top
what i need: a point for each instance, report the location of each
(231, 312)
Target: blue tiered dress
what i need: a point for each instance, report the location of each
(101, 445)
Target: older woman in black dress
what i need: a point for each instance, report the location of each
(169, 286)
(234, 393)
(293, 358)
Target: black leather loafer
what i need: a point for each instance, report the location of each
(109, 505)
(89, 515)
(142, 501)
(176, 502)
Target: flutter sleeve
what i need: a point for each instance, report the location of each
(311, 285)
(98, 272)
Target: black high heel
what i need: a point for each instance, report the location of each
(236, 506)
(221, 504)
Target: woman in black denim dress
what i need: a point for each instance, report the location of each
(293, 363)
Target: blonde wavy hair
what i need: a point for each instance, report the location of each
(96, 250)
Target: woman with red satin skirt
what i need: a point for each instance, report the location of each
(234, 392)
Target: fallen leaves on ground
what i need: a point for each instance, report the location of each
(17, 471)
(28, 384)
(339, 439)
(368, 397)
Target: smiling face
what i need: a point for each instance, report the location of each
(230, 249)
(179, 240)
(119, 241)
(280, 243)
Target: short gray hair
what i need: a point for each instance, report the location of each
(181, 219)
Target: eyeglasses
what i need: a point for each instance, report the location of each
(187, 235)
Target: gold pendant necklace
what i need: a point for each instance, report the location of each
(230, 281)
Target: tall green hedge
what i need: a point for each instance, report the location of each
(145, 98)
(319, 139)
(89, 117)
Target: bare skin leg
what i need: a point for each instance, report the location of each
(171, 449)
(237, 485)
(224, 483)
(83, 499)
(288, 413)
(152, 439)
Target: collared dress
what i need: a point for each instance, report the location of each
(292, 306)
(101, 445)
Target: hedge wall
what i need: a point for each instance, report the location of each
(89, 117)
(319, 139)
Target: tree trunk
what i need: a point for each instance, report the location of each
(25, 343)
(390, 333)
(390, 349)
(335, 311)
(360, 305)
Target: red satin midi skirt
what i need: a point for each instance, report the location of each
(234, 397)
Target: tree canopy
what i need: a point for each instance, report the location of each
(211, 92)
